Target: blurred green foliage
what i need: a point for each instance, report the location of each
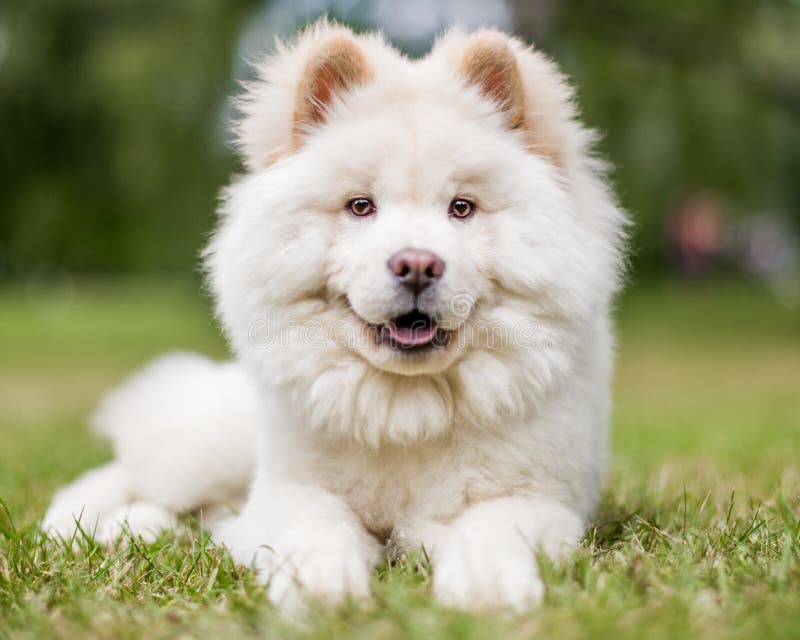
(690, 95)
(113, 116)
(111, 126)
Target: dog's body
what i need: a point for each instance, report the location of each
(416, 277)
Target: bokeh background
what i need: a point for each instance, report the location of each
(114, 120)
(114, 144)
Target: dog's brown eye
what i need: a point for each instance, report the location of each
(361, 206)
(461, 209)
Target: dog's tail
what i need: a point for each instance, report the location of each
(183, 431)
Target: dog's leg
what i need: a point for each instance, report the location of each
(99, 505)
(140, 519)
(487, 557)
(81, 504)
(183, 431)
(302, 540)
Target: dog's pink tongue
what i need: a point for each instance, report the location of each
(412, 336)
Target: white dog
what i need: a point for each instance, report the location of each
(416, 275)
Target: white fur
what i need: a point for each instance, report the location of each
(483, 453)
(183, 431)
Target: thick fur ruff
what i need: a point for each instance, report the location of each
(483, 450)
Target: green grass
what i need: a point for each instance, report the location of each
(698, 534)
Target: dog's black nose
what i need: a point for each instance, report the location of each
(416, 268)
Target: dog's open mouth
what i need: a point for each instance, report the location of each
(412, 331)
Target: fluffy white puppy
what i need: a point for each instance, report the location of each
(415, 274)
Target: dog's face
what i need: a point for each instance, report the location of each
(409, 219)
(412, 190)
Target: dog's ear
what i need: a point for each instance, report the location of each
(489, 64)
(336, 66)
(295, 87)
(527, 87)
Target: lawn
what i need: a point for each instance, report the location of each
(698, 534)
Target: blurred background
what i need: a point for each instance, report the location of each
(114, 144)
(114, 120)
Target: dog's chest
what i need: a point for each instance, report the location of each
(391, 487)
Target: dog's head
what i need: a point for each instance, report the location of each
(429, 234)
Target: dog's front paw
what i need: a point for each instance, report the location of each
(325, 564)
(486, 559)
(469, 574)
(328, 575)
